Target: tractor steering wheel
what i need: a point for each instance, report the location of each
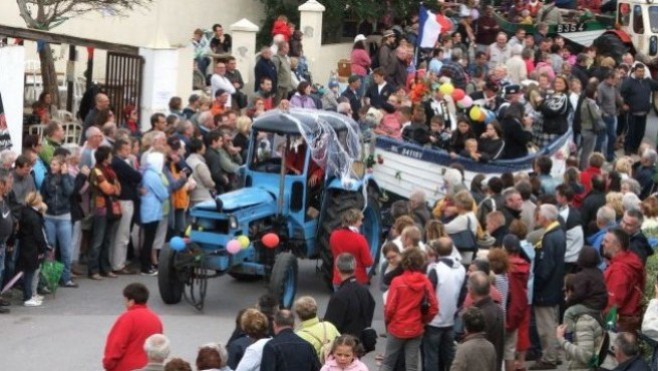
(271, 165)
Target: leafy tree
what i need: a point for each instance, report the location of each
(47, 14)
(337, 13)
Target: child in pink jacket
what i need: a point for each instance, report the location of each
(344, 355)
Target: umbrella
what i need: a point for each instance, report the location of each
(52, 273)
(11, 283)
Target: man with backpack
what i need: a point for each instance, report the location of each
(320, 334)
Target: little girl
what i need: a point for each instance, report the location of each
(33, 246)
(344, 355)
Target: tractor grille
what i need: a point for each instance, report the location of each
(213, 225)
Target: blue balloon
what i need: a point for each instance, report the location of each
(177, 244)
(489, 117)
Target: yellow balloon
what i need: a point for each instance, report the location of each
(244, 241)
(475, 113)
(188, 231)
(446, 89)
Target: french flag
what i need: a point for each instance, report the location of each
(429, 28)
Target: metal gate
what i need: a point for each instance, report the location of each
(123, 82)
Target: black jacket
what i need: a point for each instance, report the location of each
(77, 212)
(591, 204)
(129, 179)
(491, 149)
(32, 238)
(416, 133)
(56, 191)
(351, 308)
(264, 68)
(516, 139)
(355, 102)
(581, 73)
(549, 268)
(287, 351)
(589, 286)
(635, 93)
(378, 99)
(640, 246)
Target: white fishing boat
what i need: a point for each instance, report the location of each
(402, 168)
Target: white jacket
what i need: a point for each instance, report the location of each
(450, 275)
(650, 321)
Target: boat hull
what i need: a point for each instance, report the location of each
(402, 168)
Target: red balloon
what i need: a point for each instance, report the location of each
(458, 94)
(270, 240)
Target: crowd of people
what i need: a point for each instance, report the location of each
(515, 267)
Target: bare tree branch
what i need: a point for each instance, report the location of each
(54, 12)
(25, 14)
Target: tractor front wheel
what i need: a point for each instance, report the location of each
(170, 285)
(283, 281)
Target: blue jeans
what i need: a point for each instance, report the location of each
(10, 263)
(59, 233)
(438, 348)
(611, 129)
(99, 253)
(28, 281)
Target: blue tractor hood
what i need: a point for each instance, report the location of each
(245, 197)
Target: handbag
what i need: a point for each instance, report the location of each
(465, 240)
(425, 304)
(113, 208)
(597, 125)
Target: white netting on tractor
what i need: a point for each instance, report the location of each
(335, 150)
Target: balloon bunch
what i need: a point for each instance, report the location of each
(458, 95)
(234, 246)
(479, 114)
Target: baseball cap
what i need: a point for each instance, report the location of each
(359, 37)
(512, 89)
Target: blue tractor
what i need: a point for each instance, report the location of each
(302, 171)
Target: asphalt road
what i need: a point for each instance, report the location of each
(68, 332)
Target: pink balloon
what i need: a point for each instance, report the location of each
(465, 102)
(233, 247)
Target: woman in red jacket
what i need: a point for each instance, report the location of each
(410, 305)
(349, 240)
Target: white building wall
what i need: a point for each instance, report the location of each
(12, 65)
(168, 23)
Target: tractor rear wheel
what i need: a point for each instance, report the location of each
(283, 281)
(170, 285)
(336, 203)
(610, 45)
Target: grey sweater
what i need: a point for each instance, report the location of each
(608, 98)
(589, 114)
